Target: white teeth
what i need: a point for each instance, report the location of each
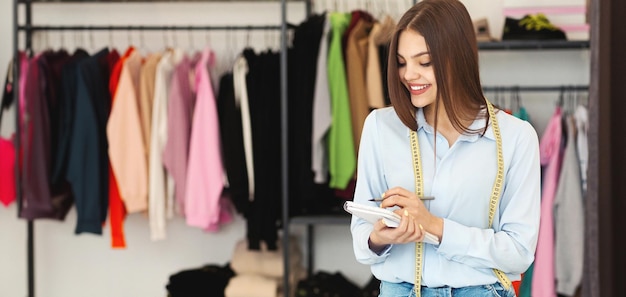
(417, 88)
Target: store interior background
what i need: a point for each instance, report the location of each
(71, 265)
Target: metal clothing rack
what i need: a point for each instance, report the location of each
(535, 88)
(515, 91)
(28, 28)
(147, 28)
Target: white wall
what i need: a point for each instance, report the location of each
(71, 266)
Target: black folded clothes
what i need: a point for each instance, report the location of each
(211, 280)
(324, 284)
(208, 280)
(531, 27)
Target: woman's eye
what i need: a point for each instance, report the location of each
(427, 64)
(401, 64)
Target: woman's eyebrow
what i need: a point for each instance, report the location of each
(416, 55)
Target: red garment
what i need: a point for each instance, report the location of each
(516, 285)
(7, 172)
(117, 211)
(7, 150)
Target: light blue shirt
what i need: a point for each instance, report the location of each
(462, 184)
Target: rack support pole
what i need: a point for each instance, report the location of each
(284, 146)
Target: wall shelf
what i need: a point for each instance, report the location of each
(310, 221)
(533, 44)
(331, 219)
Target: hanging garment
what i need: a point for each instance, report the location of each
(7, 150)
(322, 117)
(525, 286)
(36, 148)
(242, 102)
(233, 154)
(125, 136)
(569, 219)
(521, 113)
(373, 73)
(341, 153)
(263, 82)
(161, 184)
(303, 57)
(7, 171)
(67, 97)
(147, 76)
(179, 110)
(88, 159)
(204, 206)
(51, 65)
(382, 39)
(117, 210)
(550, 150)
(356, 61)
(582, 127)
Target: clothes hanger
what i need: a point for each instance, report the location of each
(190, 42)
(143, 48)
(62, 39)
(92, 42)
(207, 37)
(111, 43)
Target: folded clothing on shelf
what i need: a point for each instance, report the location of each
(531, 27)
(481, 28)
(265, 262)
(208, 280)
(324, 283)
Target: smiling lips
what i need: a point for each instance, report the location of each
(418, 89)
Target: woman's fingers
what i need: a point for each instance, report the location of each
(422, 233)
(409, 230)
(397, 191)
(398, 196)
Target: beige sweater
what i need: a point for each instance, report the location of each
(125, 136)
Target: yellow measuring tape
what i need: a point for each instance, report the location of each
(495, 196)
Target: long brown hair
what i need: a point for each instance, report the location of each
(449, 34)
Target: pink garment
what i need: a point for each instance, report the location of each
(205, 171)
(35, 148)
(543, 282)
(7, 172)
(22, 83)
(179, 111)
(24, 132)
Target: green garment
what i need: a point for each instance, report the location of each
(525, 286)
(522, 114)
(341, 154)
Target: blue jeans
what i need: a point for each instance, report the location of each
(388, 289)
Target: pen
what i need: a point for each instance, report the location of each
(421, 198)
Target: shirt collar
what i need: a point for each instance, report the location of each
(476, 125)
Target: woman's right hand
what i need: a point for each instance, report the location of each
(408, 231)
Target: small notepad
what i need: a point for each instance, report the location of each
(372, 214)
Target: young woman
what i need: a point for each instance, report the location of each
(442, 138)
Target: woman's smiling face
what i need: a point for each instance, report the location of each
(415, 68)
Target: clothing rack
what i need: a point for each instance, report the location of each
(535, 88)
(28, 28)
(147, 28)
(563, 90)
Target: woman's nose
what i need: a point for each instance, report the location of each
(411, 73)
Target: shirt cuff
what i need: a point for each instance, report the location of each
(455, 240)
(382, 253)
